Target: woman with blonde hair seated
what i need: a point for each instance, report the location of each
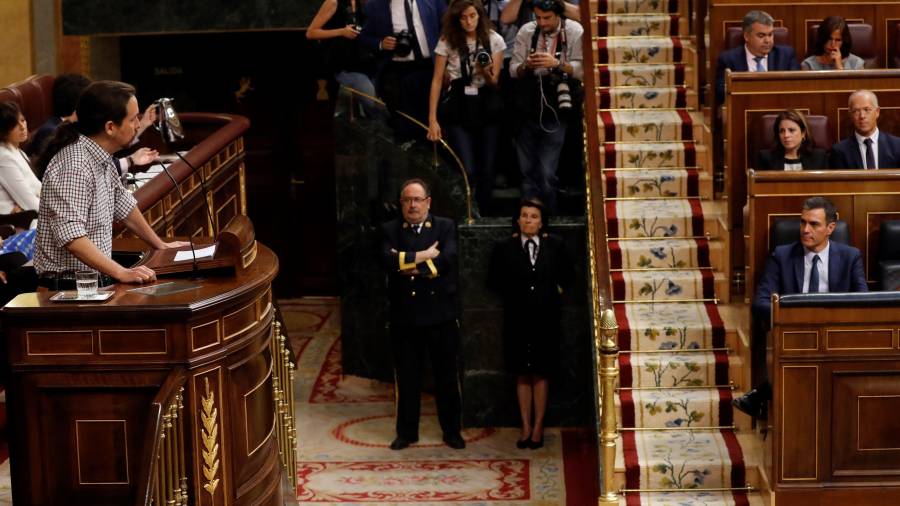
(794, 147)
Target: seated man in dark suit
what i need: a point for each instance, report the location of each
(758, 54)
(868, 148)
(813, 265)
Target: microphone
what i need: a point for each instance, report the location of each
(195, 273)
(169, 126)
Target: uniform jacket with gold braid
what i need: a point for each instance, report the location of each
(423, 294)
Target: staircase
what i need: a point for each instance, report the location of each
(666, 243)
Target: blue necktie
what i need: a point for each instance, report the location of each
(814, 275)
(758, 60)
(407, 8)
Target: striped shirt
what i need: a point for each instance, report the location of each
(82, 196)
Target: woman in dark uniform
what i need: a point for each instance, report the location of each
(530, 270)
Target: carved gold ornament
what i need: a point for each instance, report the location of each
(209, 434)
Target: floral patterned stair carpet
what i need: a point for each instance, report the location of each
(345, 424)
(677, 440)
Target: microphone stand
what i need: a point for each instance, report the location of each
(195, 273)
(202, 187)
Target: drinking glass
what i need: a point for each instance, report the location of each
(86, 282)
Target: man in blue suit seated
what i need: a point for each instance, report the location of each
(868, 147)
(813, 265)
(758, 54)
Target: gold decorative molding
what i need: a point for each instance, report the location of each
(209, 434)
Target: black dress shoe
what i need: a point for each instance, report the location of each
(401, 443)
(534, 445)
(751, 403)
(523, 443)
(455, 441)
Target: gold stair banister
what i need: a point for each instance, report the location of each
(609, 376)
(162, 480)
(462, 170)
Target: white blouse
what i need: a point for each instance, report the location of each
(18, 184)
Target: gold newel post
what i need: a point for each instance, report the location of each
(609, 375)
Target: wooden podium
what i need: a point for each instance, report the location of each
(143, 399)
(836, 396)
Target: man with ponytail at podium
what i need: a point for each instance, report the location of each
(82, 194)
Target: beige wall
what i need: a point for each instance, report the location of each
(15, 39)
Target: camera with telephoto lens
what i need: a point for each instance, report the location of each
(404, 43)
(483, 57)
(563, 93)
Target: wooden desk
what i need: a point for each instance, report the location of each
(216, 146)
(83, 377)
(834, 418)
(864, 199)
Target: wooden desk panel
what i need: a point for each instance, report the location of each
(835, 437)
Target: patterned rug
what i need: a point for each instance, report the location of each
(345, 425)
(674, 395)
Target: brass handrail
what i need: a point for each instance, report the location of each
(462, 170)
(608, 369)
(163, 475)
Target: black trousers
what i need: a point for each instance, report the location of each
(404, 86)
(410, 344)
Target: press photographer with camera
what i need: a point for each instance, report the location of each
(469, 55)
(405, 33)
(338, 24)
(547, 67)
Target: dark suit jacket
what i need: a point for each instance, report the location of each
(378, 22)
(780, 58)
(846, 155)
(428, 296)
(532, 301)
(784, 274)
(770, 159)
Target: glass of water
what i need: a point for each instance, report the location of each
(86, 282)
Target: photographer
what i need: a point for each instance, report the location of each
(472, 55)
(405, 33)
(337, 25)
(547, 65)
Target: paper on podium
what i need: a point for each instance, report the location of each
(201, 253)
(234, 248)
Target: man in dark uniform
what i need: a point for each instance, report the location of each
(419, 255)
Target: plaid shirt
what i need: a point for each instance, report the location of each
(81, 196)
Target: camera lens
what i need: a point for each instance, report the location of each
(483, 57)
(563, 96)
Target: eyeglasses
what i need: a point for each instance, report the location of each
(866, 110)
(409, 200)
